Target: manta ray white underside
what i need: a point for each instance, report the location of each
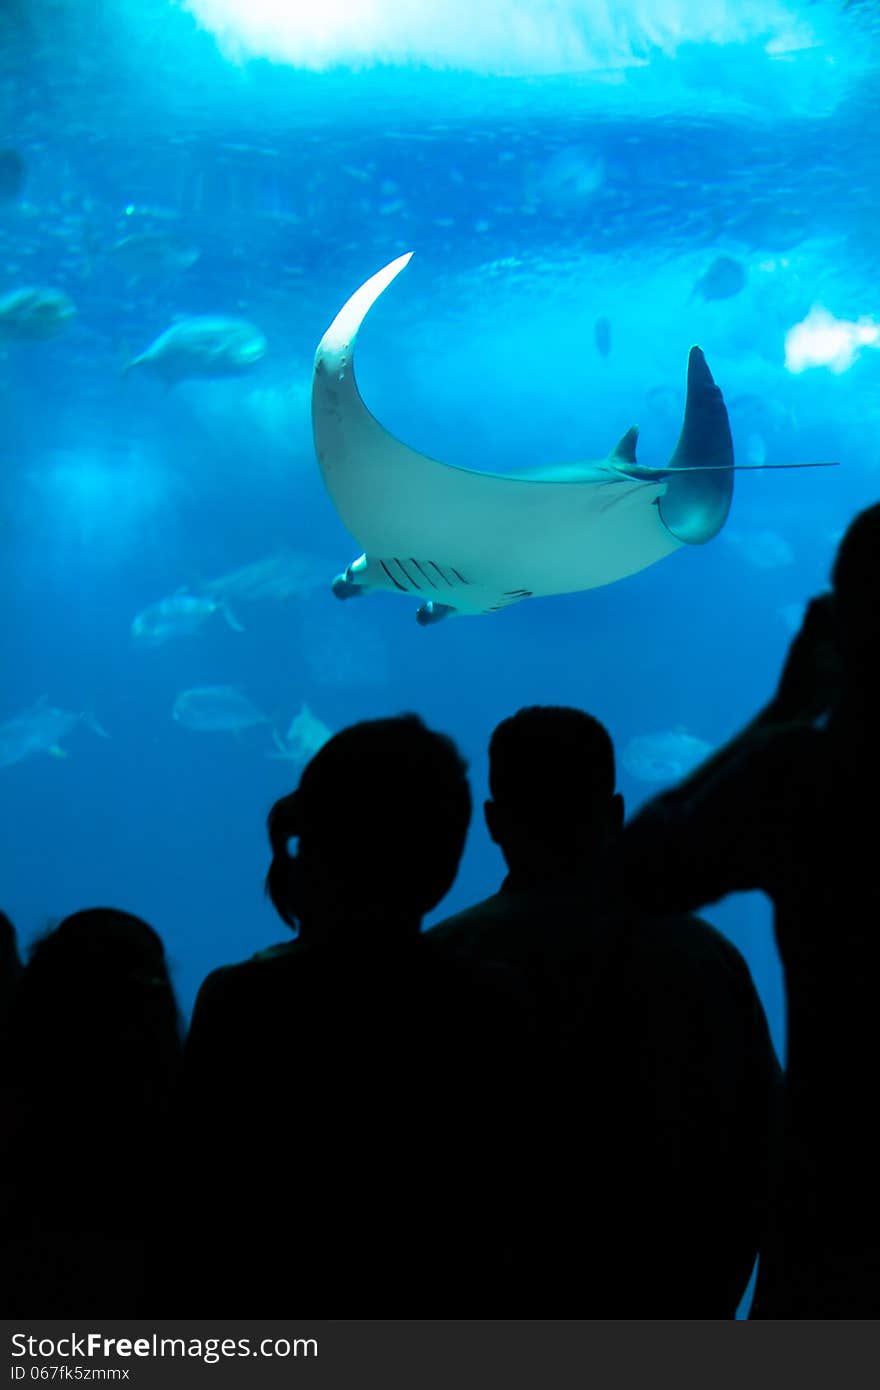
(468, 542)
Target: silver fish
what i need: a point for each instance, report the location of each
(216, 709)
(664, 757)
(203, 347)
(152, 253)
(181, 615)
(280, 576)
(35, 312)
(40, 729)
(304, 737)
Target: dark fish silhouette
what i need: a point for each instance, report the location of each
(724, 278)
(602, 335)
(12, 173)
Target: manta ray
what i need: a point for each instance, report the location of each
(467, 542)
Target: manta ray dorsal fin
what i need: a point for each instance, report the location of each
(624, 450)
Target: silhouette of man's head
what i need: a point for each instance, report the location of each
(856, 583)
(380, 815)
(551, 776)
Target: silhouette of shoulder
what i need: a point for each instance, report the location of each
(698, 989)
(389, 995)
(525, 928)
(518, 926)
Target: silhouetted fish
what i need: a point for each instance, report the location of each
(724, 278)
(571, 176)
(602, 335)
(12, 174)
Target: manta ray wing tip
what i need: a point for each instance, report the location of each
(338, 342)
(393, 268)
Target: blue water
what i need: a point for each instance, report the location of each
(594, 169)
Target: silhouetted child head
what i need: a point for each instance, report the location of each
(99, 942)
(96, 1000)
(380, 815)
(551, 776)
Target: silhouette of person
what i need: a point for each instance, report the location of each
(663, 1074)
(88, 1078)
(373, 1083)
(10, 965)
(785, 807)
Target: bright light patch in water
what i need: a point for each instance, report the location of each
(85, 510)
(821, 340)
(493, 36)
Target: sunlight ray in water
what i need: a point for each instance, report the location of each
(91, 512)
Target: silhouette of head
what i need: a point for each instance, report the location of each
(856, 583)
(380, 815)
(10, 965)
(553, 808)
(96, 1001)
(102, 942)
